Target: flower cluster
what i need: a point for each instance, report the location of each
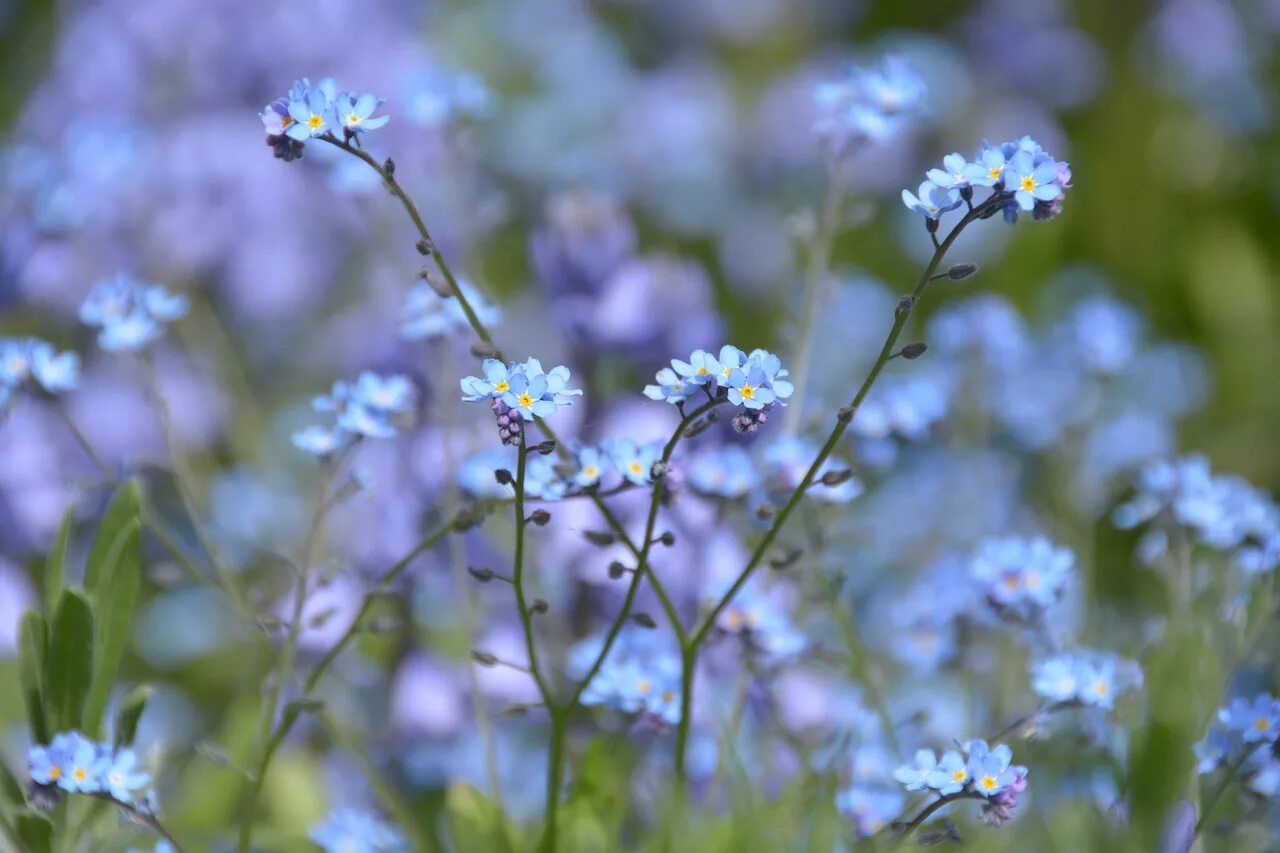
(519, 390)
(756, 381)
(76, 764)
(1248, 730)
(979, 770)
(352, 831)
(31, 360)
(1021, 578)
(130, 314)
(321, 110)
(1084, 677)
(1021, 176)
(870, 104)
(641, 675)
(757, 616)
(372, 406)
(428, 315)
(1221, 511)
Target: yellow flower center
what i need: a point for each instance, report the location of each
(502, 387)
(1262, 724)
(315, 122)
(353, 119)
(55, 773)
(80, 774)
(733, 619)
(635, 468)
(995, 172)
(1101, 688)
(1011, 582)
(958, 776)
(644, 686)
(1033, 580)
(1028, 183)
(702, 371)
(525, 400)
(285, 121)
(668, 696)
(988, 783)
(591, 471)
(748, 392)
(17, 364)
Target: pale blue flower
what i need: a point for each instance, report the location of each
(931, 200)
(354, 114)
(951, 774)
(634, 462)
(592, 464)
(914, 776)
(1256, 720)
(352, 831)
(1032, 180)
(954, 173)
(121, 778)
(669, 387)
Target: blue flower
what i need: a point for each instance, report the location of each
(1256, 720)
(321, 441)
(353, 114)
(954, 174)
(496, 381)
(750, 387)
(870, 808)
(931, 200)
(914, 776)
(121, 778)
(351, 831)
(635, 463)
(374, 406)
(1088, 677)
(49, 764)
(542, 480)
(130, 315)
(30, 359)
(727, 472)
(85, 765)
(756, 614)
(670, 387)
(869, 104)
(951, 774)
(641, 675)
(987, 169)
(522, 387)
(591, 466)
(1021, 578)
(1032, 180)
(701, 368)
(990, 769)
(311, 111)
(1211, 752)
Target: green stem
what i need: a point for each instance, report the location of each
(1230, 775)
(846, 415)
(555, 777)
(929, 811)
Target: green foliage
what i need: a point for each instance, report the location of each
(477, 822)
(36, 832)
(130, 712)
(33, 649)
(55, 568)
(115, 595)
(68, 669)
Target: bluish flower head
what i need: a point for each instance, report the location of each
(592, 465)
(931, 199)
(275, 117)
(130, 315)
(758, 616)
(869, 104)
(525, 387)
(869, 808)
(1020, 577)
(1084, 676)
(434, 96)
(985, 328)
(1102, 332)
(475, 474)
(670, 387)
(702, 368)
(987, 168)
(496, 381)
(542, 480)
(1032, 179)
(121, 777)
(355, 114)
(352, 831)
(321, 441)
(86, 762)
(311, 111)
(1212, 752)
(914, 776)
(954, 173)
(49, 764)
(24, 360)
(426, 315)
(1255, 720)
(759, 382)
(634, 462)
(374, 406)
(1262, 773)
(641, 675)
(727, 472)
(907, 406)
(950, 775)
(990, 769)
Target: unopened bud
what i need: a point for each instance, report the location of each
(540, 605)
(785, 557)
(598, 538)
(835, 478)
(667, 538)
(503, 476)
(441, 288)
(540, 517)
(845, 414)
(905, 304)
(483, 658)
(483, 349)
(766, 511)
(484, 574)
(425, 247)
(617, 570)
(546, 448)
(959, 271)
(931, 225)
(913, 351)
(644, 620)
(699, 426)
(389, 167)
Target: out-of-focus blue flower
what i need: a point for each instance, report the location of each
(931, 199)
(906, 406)
(1084, 676)
(426, 315)
(121, 776)
(870, 104)
(591, 463)
(914, 776)
(352, 831)
(475, 474)
(757, 615)
(727, 472)
(542, 480)
(374, 406)
(49, 764)
(434, 96)
(985, 328)
(787, 459)
(634, 462)
(30, 359)
(1255, 720)
(1103, 332)
(1212, 751)
(640, 675)
(129, 314)
(869, 808)
(1020, 577)
(354, 114)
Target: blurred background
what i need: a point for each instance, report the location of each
(627, 181)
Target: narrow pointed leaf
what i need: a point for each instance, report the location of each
(130, 712)
(69, 668)
(36, 832)
(33, 643)
(114, 600)
(55, 567)
(122, 510)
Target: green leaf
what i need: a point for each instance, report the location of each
(476, 822)
(114, 599)
(36, 832)
(10, 788)
(33, 644)
(130, 712)
(69, 669)
(55, 567)
(121, 511)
